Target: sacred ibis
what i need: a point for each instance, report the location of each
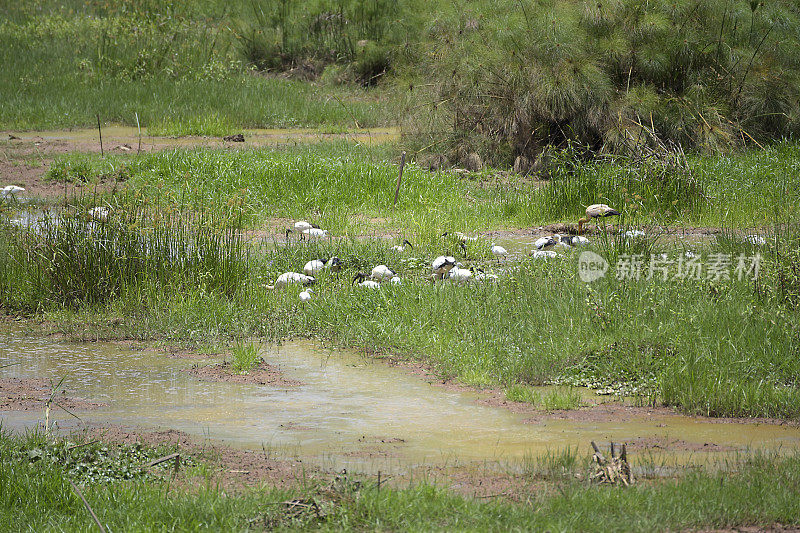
(596, 211)
(499, 251)
(400, 248)
(362, 280)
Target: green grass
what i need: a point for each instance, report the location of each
(723, 348)
(76, 259)
(719, 349)
(35, 494)
(560, 398)
(188, 107)
(349, 188)
(244, 356)
(175, 67)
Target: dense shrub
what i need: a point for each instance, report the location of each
(280, 35)
(611, 75)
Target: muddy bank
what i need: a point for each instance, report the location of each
(18, 394)
(236, 469)
(232, 468)
(262, 374)
(599, 409)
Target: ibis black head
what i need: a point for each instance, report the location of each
(444, 234)
(405, 241)
(463, 248)
(359, 277)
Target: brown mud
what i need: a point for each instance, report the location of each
(18, 394)
(232, 468)
(261, 374)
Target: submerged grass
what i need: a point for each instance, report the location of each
(755, 490)
(93, 256)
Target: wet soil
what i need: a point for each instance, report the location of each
(32, 394)
(235, 469)
(262, 374)
(600, 409)
(232, 468)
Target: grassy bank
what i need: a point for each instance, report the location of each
(723, 347)
(35, 494)
(349, 188)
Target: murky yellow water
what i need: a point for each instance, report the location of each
(349, 411)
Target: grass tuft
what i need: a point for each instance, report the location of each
(245, 356)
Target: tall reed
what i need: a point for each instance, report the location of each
(71, 258)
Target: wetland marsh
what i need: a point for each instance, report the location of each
(139, 289)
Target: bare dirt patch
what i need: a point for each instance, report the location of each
(262, 374)
(19, 394)
(481, 483)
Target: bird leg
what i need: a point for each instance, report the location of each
(581, 222)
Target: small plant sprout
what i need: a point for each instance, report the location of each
(51, 401)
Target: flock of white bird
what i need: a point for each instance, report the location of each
(442, 267)
(306, 231)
